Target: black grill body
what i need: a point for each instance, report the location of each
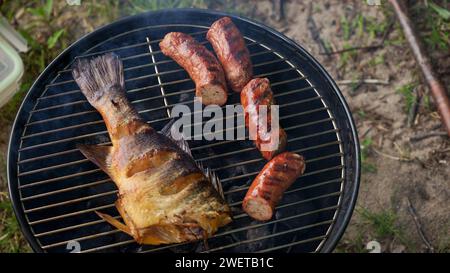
(55, 191)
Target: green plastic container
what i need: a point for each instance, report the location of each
(11, 65)
(11, 71)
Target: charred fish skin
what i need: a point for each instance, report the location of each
(163, 195)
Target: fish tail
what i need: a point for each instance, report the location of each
(99, 77)
(102, 82)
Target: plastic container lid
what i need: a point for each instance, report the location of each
(11, 66)
(11, 71)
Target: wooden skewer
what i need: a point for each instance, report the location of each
(438, 90)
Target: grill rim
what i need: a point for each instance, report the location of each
(349, 191)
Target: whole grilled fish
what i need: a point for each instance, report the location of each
(163, 195)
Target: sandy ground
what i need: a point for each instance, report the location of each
(397, 168)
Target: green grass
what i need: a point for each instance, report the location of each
(357, 244)
(375, 28)
(409, 97)
(427, 102)
(439, 22)
(383, 223)
(346, 28)
(348, 56)
(377, 60)
(10, 237)
(145, 5)
(137, 6)
(444, 242)
(43, 16)
(366, 165)
(365, 27)
(46, 37)
(367, 30)
(359, 25)
(434, 23)
(384, 226)
(361, 114)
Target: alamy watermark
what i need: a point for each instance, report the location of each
(373, 2)
(373, 247)
(227, 123)
(73, 246)
(73, 2)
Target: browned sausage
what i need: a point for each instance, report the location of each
(256, 93)
(200, 63)
(268, 187)
(229, 46)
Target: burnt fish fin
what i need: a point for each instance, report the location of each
(96, 76)
(182, 143)
(99, 155)
(213, 178)
(114, 222)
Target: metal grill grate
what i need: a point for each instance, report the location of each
(59, 190)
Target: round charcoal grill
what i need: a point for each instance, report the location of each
(55, 190)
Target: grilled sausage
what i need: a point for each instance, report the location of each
(256, 93)
(201, 65)
(230, 48)
(270, 184)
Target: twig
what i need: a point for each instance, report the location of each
(366, 132)
(365, 81)
(423, 136)
(414, 108)
(401, 151)
(435, 127)
(391, 156)
(444, 151)
(4, 236)
(364, 48)
(413, 213)
(312, 27)
(278, 8)
(437, 88)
